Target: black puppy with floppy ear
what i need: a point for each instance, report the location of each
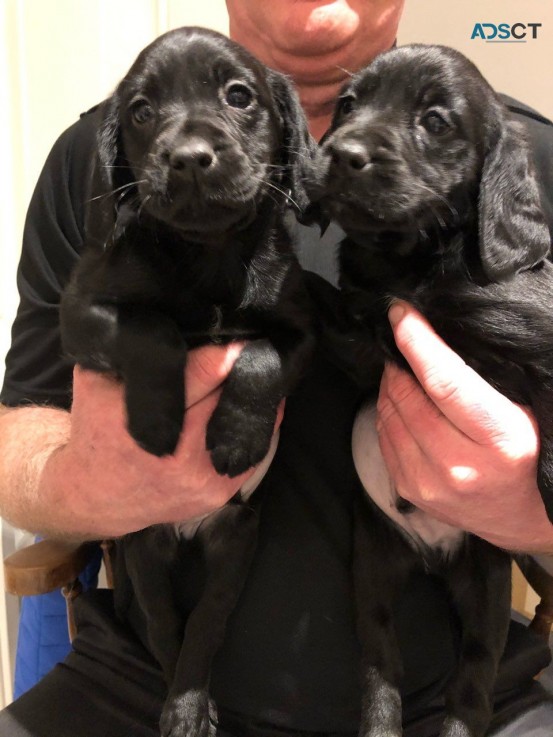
(201, 151)
(187, 242)
(435, 188)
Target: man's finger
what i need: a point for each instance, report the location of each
(465, 398)
(207, 368)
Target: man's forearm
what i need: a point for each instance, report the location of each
(81, 475)
(28, 438)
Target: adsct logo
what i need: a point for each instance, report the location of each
(505, 32)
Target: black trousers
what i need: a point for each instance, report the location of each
(109, 686)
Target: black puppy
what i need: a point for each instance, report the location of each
(434, 187)
(200, 151)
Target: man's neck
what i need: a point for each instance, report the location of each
(318, 77)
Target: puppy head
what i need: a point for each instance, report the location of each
(419, 142)
(199, 133)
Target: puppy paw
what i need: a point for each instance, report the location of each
(155, 414)
(237, 440)
(187, 716)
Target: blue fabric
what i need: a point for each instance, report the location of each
(43, 639)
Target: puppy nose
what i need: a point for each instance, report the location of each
(193, 154)
(349, 154)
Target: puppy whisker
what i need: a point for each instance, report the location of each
(124, 188)
(346, 71)
(442, 199)
(283, 192)
(142, 204)
(297, 153)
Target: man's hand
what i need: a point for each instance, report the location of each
(110, 486)
(459, 449)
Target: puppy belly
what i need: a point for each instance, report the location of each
(422, 531)
(187, 530)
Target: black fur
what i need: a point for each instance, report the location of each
(435, 189)
(200, 151)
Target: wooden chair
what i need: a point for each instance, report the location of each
(53, 564)
(50, 565)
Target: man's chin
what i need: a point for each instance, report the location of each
(313, 26)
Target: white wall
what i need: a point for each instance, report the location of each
(522, 70)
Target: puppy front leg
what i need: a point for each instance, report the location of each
(381, 562)
(228, 539)
(142, 347)
(153, 355)
(480, 584)
(240, 430)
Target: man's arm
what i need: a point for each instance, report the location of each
(457, 447)
(28, 436)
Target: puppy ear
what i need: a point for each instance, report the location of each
(112, 167)
(298, 147)
(110, 175)
(513, 232)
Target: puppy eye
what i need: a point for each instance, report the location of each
(435, 123)
(142, 112)
(238, 95)
(346, 104)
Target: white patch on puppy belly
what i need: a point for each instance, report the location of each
(420, 529)
(188, 528)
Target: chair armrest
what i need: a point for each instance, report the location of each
(542, 583)
(45, 566)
